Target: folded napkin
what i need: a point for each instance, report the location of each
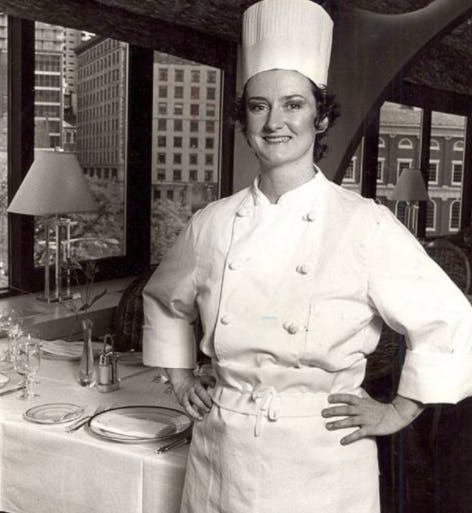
(139, 428)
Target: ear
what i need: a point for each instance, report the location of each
(322, 125)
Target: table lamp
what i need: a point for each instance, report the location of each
(54, 185)
(410, 188)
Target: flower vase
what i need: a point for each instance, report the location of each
(87, 367)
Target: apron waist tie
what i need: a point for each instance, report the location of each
(265, 402)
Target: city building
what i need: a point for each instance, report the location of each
(102, 67)
(399, 148)
(186, 131)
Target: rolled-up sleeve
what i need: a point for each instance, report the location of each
(169, 301)
(416, 298)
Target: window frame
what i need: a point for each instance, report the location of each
(453, 163)
(435, 211)
(437, 163)
(403, 161)
(455, 228)
(24, 276)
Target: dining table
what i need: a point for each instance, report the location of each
(45, 469)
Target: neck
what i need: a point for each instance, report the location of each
(277, 181)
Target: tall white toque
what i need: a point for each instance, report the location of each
(287, 34)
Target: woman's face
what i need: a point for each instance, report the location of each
(280, 117)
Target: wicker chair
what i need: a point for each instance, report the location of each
(453, 261)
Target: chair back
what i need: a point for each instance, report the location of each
(453, 260)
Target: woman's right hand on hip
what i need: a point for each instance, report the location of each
(192, 391)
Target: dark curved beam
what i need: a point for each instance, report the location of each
(370, 51)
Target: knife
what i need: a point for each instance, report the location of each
(10, 390)
(173, 445)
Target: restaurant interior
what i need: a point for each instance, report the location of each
(413, 53)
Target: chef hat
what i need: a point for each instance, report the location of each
(287, 34)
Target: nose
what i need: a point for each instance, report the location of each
(275, 120)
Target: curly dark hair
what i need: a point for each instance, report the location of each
(327, 109)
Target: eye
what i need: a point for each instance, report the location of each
(257, 107)
(293, 106)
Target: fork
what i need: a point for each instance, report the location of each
(83, 420)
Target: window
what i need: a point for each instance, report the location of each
(193, 142)
(434, 145)
(403, 164)
(431, 216)
(177, 175)
(210, 126)
(194, 93)
(208, 159)
(194, 109)
(380, 169)
(210, 93)
(458, 145)
(457, 167)
(161, 174)
(193, 126)
(161, 141)
(405, 143)
(195, 76)
(400, 211)
(349, 175)
(211, 77)
(210, 110)
(208, 176)
(161, 158)
(157, 194)
(177, 125)
(179, 75)
(162, 124)
(170, 194)
(178, 92)
(178, 109)
(177, 142)
(193, 175)
(433, 172)
(193, 159)
(162, 108)
(162, 91)
(455, 215)
(163, 74)
(177, 158)
(209, 143)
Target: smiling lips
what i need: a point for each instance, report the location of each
(276, 139)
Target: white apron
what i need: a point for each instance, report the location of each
(290, 296)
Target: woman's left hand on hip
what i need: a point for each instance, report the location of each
(372, 417)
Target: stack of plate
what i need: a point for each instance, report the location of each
(62, 350)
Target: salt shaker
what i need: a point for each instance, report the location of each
(107, 379)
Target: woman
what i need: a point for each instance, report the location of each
(291, 278)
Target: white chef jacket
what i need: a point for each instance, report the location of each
(291, 297)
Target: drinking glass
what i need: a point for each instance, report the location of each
(10, 331)
(27, 359)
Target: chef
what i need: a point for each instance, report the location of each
(291, 279)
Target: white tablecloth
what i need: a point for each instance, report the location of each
(43, 469)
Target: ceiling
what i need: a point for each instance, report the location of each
(445, 66)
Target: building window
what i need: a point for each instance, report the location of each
(349, 175)
(209, 143)
(177, 142)
(405, 144)
(194, 109)
(178, 92)
(178, 109)
(195, 76)
(161, 141)
(161, 158)
(162, 124)
(179, 75)
(380, 169)
(177, 175)
(193, 142)
(170, 194)
(208, 159)
(455, 215)
(161, 174)
(163, 75)
(434, 145)
(177, 158)
(193, 175)
(193, 159)
(211, 77)
(210, 110)
(433, 172)
(177, 125)
(157, 194)
(194, 93)
(162, 91)
(208, 176)
(403, 164)
(431, 216)
(456, 173)
(210, 126)
(400, 211)
(193, 126)
(210, 93)
(459, 145)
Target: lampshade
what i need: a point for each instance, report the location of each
(54, 184)
(410, 187)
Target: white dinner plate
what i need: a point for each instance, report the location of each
(139, 424)
(53, 413)
(69, 351)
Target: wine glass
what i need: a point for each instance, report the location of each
(10, 331)
(27, 359)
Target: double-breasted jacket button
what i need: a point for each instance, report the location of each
(290, 327)
(225, 320)
(234, 265)
(303, 269)
(310, 216)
